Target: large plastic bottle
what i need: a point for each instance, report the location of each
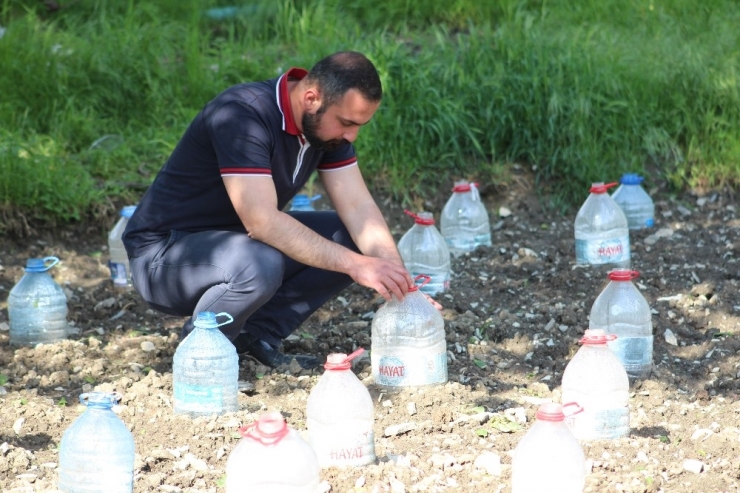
(595, 380)
(340, 416)
(205, 370)
(303, 202)
(548, 458)
(118, 262)
(37, 306)
(634, 201)
(408, 343)
(464, 221)
(424, 251)
(602, 236)
(271, 458)
(97, 450)
(621, 309)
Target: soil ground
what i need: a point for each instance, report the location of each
(514, 315)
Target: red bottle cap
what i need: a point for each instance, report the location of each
(269, 429)
(550, 411)
(601, 187)
(623, 274)
(464, 187)
(424, 221)
(595, 337)
(340, 361)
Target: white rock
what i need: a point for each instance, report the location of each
(360, 482)
(399, 429)
(516, 414)
(489, 462)
(324, 487)
(148, 346)
(550, 325)
(693, 465)
(670, 337)
(411, 408)
(504, 211)
(18, 425)
(196, 463)
(4, 327)
(563, 328)
(527, 252)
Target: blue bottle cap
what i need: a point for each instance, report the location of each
(301, 200)
(207, 320)
(100, 400)
(631, 179)
(128, 211)
(40, 264)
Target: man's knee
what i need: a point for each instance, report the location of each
(262, 274)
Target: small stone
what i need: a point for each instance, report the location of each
(4, 327)
(489, 462)
(360, 482)
(245, 386)
(411, 408)
(550, 325)
(323, 487)
(18, 425)
(504, 211)
(399, 429)
(693, 465)
(670, 337)
(148, 346)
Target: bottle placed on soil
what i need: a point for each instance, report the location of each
(37, 306)
(118, 262)
(548, 457)
(340, 416)
(271, 458)
(464, 221)
(596, 381)
(303, 202)
(634, 201)
(408, 342)
(602, 236)
(621, 309)
(205, 370)
(424, 252)
(97, 450)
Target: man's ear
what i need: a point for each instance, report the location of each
(311, 100)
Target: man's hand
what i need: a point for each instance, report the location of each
(386, 277)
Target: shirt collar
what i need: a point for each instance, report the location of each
(289, 124)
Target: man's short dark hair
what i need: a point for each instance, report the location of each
(336, 74)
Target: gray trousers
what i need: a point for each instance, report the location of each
(267, 293)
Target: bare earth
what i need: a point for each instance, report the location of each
(513, 316)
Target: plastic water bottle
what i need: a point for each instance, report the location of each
(97, 450)
(602, 237)
(548, 458)
(424, 251)
(271, 458)
(408, 342)
(303, 202)
(464, 220)
(37, 306)
(621, 309)
(340, 416)
(634, 201)
(596, 381)
(118, 262)
(205, 370)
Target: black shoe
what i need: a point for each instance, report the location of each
(271, 356)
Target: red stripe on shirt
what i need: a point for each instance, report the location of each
(338, 164)
(246, 171)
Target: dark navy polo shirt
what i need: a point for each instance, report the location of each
(247, 130)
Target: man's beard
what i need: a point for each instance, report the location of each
(311, 122)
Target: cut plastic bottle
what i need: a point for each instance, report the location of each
(120, 272)
(424, 252)
(635, 202)
(340, 416)
(464, 221)
(601, 233)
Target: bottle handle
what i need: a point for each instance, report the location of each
(577, 409)
(426, 281)
(224, 314)
(53, 261)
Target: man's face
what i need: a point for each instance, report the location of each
(328, 128)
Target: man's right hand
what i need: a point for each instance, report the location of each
(386, 277)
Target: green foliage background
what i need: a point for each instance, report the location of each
(579, 91)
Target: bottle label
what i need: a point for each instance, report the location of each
(411, 370)
(345, 449)
(118, 272)
(635, 353)
(600, 424)
(603, 251)
(465, 244)
(198, 398)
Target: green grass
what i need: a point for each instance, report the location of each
(580, 92)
